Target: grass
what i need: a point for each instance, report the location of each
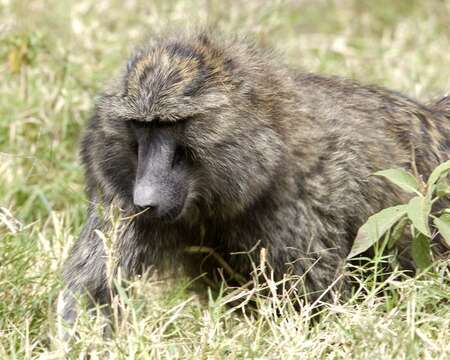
(54, 57)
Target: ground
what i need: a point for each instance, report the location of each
(55, 56)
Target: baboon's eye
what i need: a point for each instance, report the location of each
(184, 120)
(181, 155)
(136, 128)
(135, 147)
(184, 155)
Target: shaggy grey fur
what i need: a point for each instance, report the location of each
(229, 149)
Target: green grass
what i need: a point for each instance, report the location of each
(54, 57)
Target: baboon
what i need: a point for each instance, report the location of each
(208, 140)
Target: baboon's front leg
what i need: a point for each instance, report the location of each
(85, 272)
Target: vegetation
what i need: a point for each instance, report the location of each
(55, 55)
(392, 223)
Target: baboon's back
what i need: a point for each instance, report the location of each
(391, 128)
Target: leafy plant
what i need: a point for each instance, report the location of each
(391, 223)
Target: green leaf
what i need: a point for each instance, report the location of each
(401, 178)
(442, 187)
(397, 232)
(419, 208)
(443, 225)
(436, 174)
(375, 227)
(420, 251)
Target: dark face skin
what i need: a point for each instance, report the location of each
(163, 168)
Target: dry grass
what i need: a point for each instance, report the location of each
(55, 55)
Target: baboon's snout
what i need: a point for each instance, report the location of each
(160, 184)
(161, 199)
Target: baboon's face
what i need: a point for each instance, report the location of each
(163, 168)
(181, 136)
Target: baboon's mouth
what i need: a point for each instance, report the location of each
(150, 213)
